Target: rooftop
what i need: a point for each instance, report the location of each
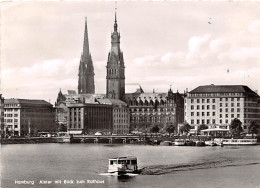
(111, 102)
(28, 102)
(222, 89)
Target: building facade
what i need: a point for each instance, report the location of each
(89, 118)
(24, 116)
(86, 69)
(154, 109)
(218, 105)
(121, 115)
(61, 110)
(115, 87)
(2, 114)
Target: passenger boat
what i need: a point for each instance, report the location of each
(179, 142)
(123, 165)
(166, 143)
(239, 141)
(210, 143)
(219, 141)
(200, 143)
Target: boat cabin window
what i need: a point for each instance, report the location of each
(113, 162)
(121, 161)
(133, 162)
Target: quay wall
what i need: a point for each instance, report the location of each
(28, 140)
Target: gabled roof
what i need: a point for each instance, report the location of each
(222, 89)
(146, 96)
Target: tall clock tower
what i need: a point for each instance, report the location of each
(115, 88)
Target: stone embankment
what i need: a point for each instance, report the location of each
(37, 140)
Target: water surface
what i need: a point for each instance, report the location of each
(162, 166)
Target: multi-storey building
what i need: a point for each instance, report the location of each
(115, 88)
(121, 115)
(86, 69)
(151, 109)
(2, 114)
(61, 109)
(218, 105)
(89, 118)
(24, 116)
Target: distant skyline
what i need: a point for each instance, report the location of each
(183, 44)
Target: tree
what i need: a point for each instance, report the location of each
(155, 129)
(62, 128)
(185, 128)
(171, 128)
(254, 128)
(201, 127)
(235, 127)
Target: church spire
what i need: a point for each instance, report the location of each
(86, 43)
(115, 24)
(86, 68)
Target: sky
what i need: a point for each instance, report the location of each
(166, 44)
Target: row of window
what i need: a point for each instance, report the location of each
(149, 103)
(120, 110)
(11, 110)
(10, 120)
(121, 126)
(120, 115)
(226, 110)
(214, 94)
(11, 115)
(121, 121)
(71, 125)
(207, 121)
(152, 110)
(151, 119)
(12, 105)
(213, 100)
(214, 114)
(213, 107)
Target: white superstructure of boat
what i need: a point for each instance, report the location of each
(239, 141)
(123, 165)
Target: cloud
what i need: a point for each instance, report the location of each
(217, 44)
(254, 27)
(245, 53)
(48, 66)
(144, 60)
(195, 43)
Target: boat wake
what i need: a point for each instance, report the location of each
(167, 169)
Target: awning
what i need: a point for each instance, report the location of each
(214, 130)
(75, 132)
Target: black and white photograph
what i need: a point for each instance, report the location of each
(134, 94)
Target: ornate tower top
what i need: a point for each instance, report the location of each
(115, 67)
